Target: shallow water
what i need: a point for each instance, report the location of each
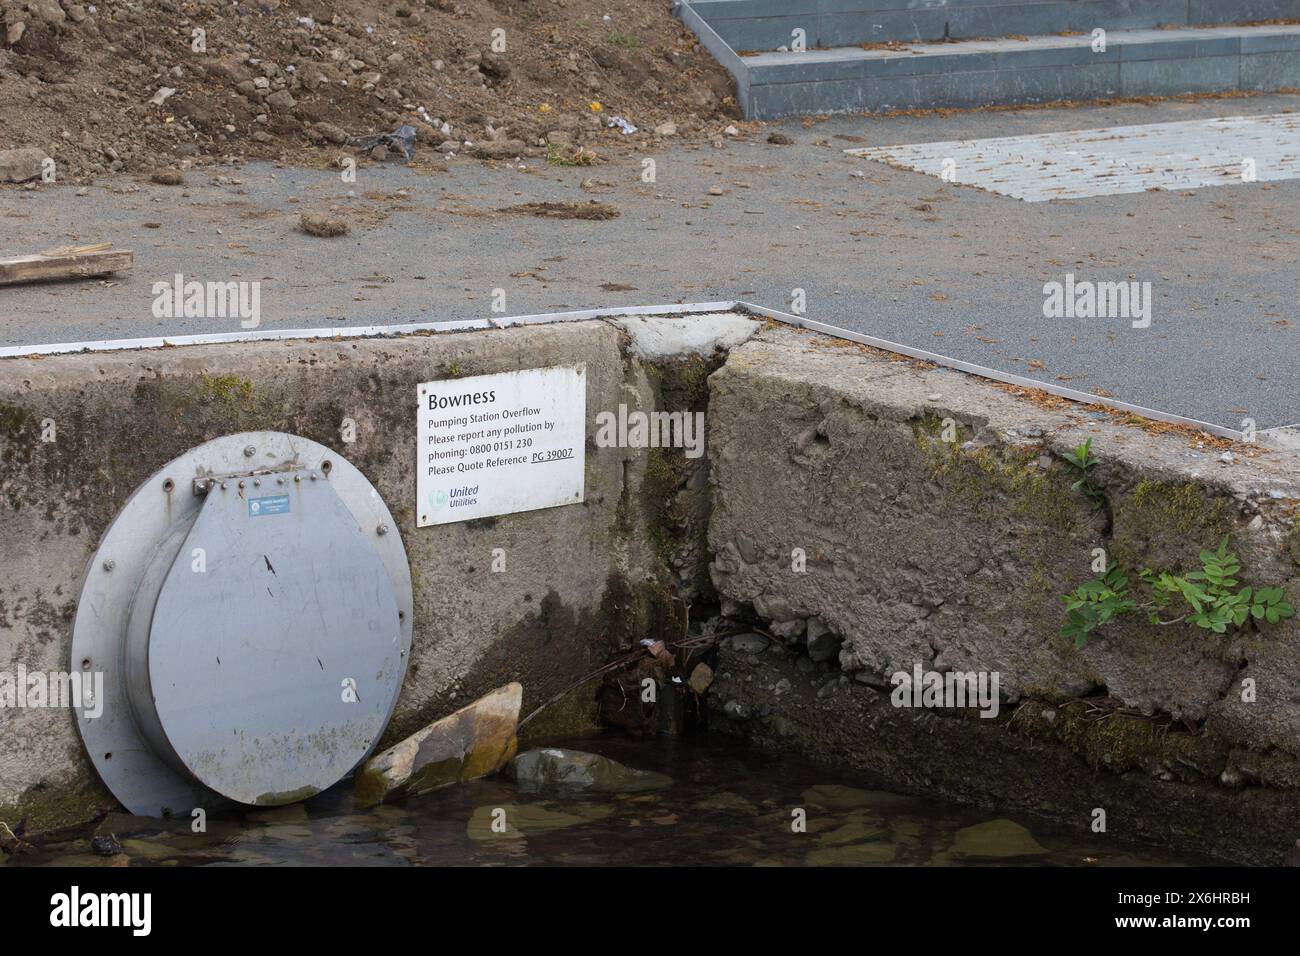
(726, 805)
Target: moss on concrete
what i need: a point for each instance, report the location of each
(571, 716)
(998, 476)
(227, 389)
(1164, 525)
(662, 479)
(13, 419)
(279, 799)
(1119, 743)
(674, 507)
(1182, 506)
(45, 808)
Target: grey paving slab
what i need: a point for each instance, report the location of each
(1270, 71)
(1213, 11)
(766, 24)
(1034, 69)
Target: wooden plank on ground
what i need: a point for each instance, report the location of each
(74, 263)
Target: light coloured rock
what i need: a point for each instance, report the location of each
(551, 768)
(473, 742)
(701, 678)
(322, 225)
(332, 133)
(20, 165)
(501, 149)
(281, 100)
(996, 839)
(48, 11)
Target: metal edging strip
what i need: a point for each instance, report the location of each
(1073, 395)
(685, 308)
(353, 332)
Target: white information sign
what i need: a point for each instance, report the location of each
(498, 444)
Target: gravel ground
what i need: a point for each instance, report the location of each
(896, 254)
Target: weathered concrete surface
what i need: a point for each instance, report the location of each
(580, 581)
(952, 555)
(656, 337)
(473, 742)
(955, 554)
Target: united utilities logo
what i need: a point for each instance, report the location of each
(458, 497)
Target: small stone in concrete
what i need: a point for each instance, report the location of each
(789, 630)
(822, 644)
(749, 643)
(473, 742)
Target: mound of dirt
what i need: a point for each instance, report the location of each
(136, 85)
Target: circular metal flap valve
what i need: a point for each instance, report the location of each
(250, 611)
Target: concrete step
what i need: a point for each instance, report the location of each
(762, 25)
(1036, 69)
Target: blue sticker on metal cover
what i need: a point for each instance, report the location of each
(273, 505)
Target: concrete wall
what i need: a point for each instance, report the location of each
(953, 555)
(582, 581)
(948, 554)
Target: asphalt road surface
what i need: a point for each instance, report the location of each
(893, 253)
